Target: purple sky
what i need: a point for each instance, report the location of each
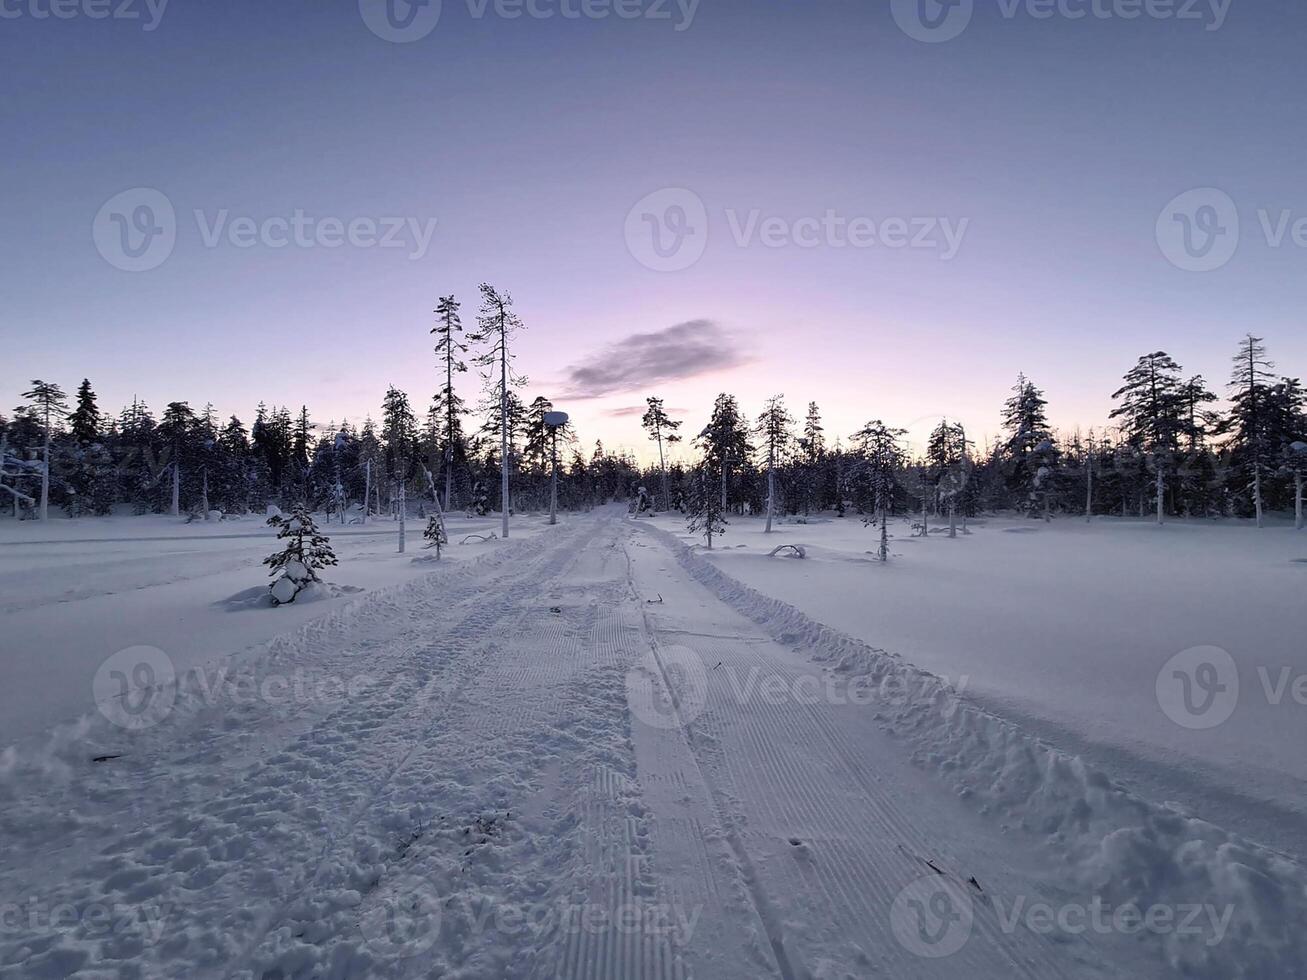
(1052, 145)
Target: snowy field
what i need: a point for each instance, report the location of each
(1065, 627)
(73, 592)
(592, 751)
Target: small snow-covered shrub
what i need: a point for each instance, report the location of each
(435, 533)
(305, 552)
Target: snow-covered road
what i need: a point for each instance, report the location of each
(566, 759)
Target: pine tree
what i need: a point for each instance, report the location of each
(880, 453)
(725, 441)
(774, 431)
(949, 461)
(703, 503)
(1249, 420)
(661, 429)
(49, 404)
(1153, 411)
(305, 553)
(447, 404)
(496, 324)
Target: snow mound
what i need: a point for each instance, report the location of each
(1119, 847)
(261, 597)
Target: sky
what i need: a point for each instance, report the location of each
(889, 208)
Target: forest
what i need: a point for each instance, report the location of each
(1171, 447)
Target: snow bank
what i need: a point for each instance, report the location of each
(1122, 848)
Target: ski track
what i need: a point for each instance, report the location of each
(494, 802)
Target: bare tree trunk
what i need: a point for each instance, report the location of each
(883, 553)
(1297, 502)
(771, 485)
(952, 519)
(662, 467)
(204, 495)
(449, 428)
(1089, 491)
(1257, 493)
(553, 477)
(176, 488)
(403, 507)
(1161, 491)
(367, 489)
(45, 473)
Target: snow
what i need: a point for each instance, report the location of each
(73, 592)
(1065, 627)
(591, 750)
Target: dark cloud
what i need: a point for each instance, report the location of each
(628, 410)
(685, 350)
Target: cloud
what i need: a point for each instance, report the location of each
(642, 360)
(628, 410)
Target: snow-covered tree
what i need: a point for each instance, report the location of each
(1295, 464)
(880, 456)
(49, 404)
(725, 441)
(1025, 422)
(305, 552)
(661, 429)
(950, 465)
(1249, 424)
(703, 503)
(447, 404)
(435, 533)
(496, 324)
(1153, 413)
(774, 431)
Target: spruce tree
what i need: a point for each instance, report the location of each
(703, 503)
(880, 456)
(447, 404)
(306, 551)
(85, 423)
(661, 429)
(1153, 412)
(1025, 420)
(774, 430)
(1249, 420)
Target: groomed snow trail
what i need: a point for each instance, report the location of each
(524, 768)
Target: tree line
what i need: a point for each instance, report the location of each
(192, 462)
(1167, 450)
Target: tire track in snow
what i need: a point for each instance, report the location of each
(795, 799)
(185, 849)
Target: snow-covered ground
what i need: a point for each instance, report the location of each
(74, 592)
(1066, 627)
(592, 751)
